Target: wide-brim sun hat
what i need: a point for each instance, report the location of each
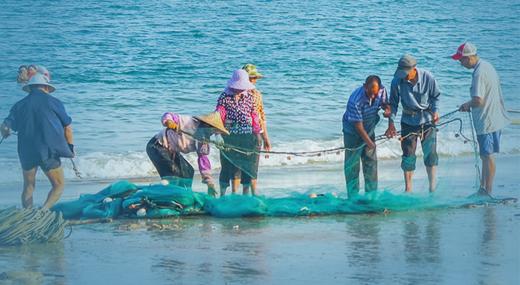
(240, 81)
(38, 79)
(213, 119)
(404, 66)
(252, 71)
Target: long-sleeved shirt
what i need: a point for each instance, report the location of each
(419, 100)
(239, 112)
(180, 142)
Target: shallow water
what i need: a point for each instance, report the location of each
(446, 246)
(459, 246)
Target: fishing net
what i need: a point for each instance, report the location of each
(174, 196)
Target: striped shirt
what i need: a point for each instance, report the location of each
(361, 109)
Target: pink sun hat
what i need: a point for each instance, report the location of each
(465, 49)
(240, 81)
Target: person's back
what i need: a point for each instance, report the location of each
(39, 119)
(492, 115)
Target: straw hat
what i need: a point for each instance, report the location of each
(252, 71)
(213, 119)
(38, 79)
(240, 81)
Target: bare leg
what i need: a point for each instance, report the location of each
(235, 185)
(488, 163)
(57, 180)
(223, 187)
(253, 187)
(431, 177)
(408, 175)
(485, 171)
(29, 181)
(245, 190)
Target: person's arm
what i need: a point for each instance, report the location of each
(261, 112)
(433, 98)
(69, 137)
(476, 98)
(475, 102)
(66, 122)
(393, 101)
(204, 164)
(363, 134)
(256, 125)
(171, 121)
(9, 123)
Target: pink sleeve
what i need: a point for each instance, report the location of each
(222, 112)
(257, 128)
(255, 117)
(170, 116)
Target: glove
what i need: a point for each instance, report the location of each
(71, 146)
(172, 125)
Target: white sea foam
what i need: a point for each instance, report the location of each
(102, 165)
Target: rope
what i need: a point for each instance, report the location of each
(227, 147)
(25, 226)
(475, 151)
(76, 171)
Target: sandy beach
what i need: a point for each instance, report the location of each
(446, 246)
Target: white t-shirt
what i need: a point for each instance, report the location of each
(492, 116)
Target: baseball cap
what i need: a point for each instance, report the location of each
(465, 49)
(405, 64)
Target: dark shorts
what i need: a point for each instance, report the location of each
(489, 143)
(32, 159)
(235, 164)
(427, 134)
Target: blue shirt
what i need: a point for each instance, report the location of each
(39, 120)
(419, 100)
(361, 109)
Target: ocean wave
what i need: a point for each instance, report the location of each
(100, 165)
(131, 164)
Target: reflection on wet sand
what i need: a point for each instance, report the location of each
(36, 264)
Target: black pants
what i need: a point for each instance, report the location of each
(427, 134)
(173, 166)
(368, 159)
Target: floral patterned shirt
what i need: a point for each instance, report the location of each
(239, 112)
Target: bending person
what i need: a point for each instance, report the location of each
(185, 134)
(418, 93)
(359, 122)
(44, 136)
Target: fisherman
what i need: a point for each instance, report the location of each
(418, 93)
(44, 135)
(487, 110)
(185, 134)
(359, 122)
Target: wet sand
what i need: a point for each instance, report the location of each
(451, 246)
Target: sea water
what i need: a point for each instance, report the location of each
(118, 66)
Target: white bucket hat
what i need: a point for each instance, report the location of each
(38, 79)
(240, 81)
